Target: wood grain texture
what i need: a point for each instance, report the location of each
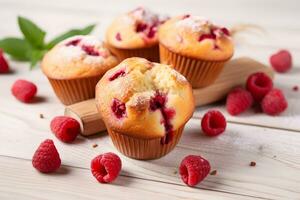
(275, 151)
(234, 74)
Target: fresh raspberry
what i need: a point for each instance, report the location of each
(4, 68)
(46, 158)
(238, 101)
(274, 102)
(24, 90)
(106, 167)
(259, 84)
(65, 128)
(193, 169)
(213, 123)
(281, 61)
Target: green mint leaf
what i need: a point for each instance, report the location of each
(85, 31)
(32, 33)
(35, 57)
(17, 48)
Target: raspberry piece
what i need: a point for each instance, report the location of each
(238, 101)
(274, 102)
(117, 75)
(213, 123)
(158, 102)
(118, 108)
(90, 50)
(73, 42)
(281, 61)
(140, 27)
(46, 158)
(259, 84)
(24, 90)
(225, 31)
(106, 167)
(65, 128)
(118, 37)
(4, 68)
(193, 169)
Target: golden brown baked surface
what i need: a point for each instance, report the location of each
(144, 99)
(77, 57)
(196, 37)
(135, 29)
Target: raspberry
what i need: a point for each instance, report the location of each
(213, 123)
(90, 50)
(193, 169)
(118, 108)
(259, 84)
(281, 61)
(106, 167)
(158, 102)
(46, 158)
(118, 37)
(4, 68)
(274, 102)
(238, 101)
(24, 90)
(118, 74)
(65, 128)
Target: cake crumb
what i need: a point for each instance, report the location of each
(42, 116)
(214, 172)
(175, 172)
(295, 88)
(95, 145)
(274, 156)
(252, 164)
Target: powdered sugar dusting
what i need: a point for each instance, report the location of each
(195, 23)
(145, 15)
(70, 53)
(178, 76)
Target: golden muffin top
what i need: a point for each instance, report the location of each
(196, 37)
(78, 57)
(135, 29)
(144, 99)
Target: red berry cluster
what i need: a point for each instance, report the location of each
(259, 89)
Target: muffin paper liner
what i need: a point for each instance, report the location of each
(143, 149)
(71, 91)
(150, 53)
(199, 73)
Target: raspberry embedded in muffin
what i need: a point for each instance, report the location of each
(196, 37)
(144, 99)
(135, 29)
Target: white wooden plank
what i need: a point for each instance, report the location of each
(19, 180)
(230, 153)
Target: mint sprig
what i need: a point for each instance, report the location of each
(32, 47)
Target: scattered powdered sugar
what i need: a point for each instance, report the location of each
(90, 41)
(145, 15)
(93, 60)
(178, 76)
(195, 23)
(70, 53)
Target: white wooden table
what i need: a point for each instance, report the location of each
(272, 142)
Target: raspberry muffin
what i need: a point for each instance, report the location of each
(195, 47)
(135, 34)
(74, 67)
(145, 106)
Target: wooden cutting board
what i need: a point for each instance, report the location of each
(235, 73)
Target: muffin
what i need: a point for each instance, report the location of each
(144, 106)
(75, 65)
(195, 47)
(134, 34)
